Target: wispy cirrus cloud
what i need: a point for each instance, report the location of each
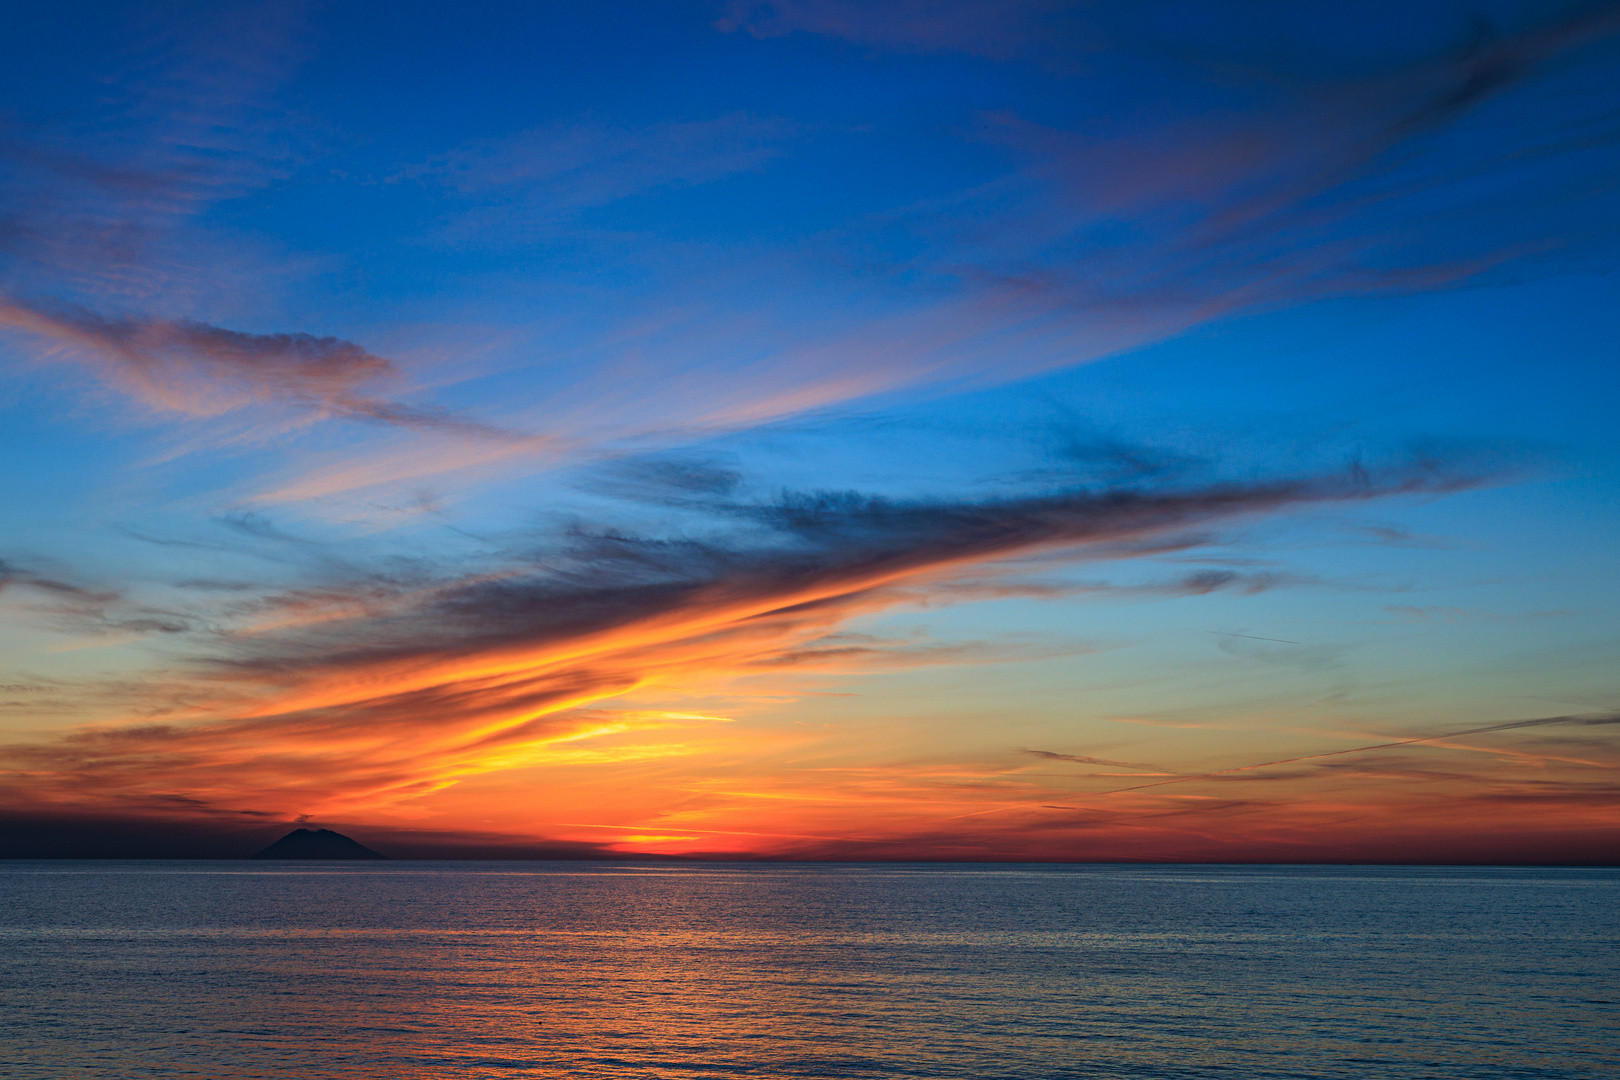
(1276, 167)
(518, 186)
(202, 370)
(1286, 186)
(76, 608)
(1287, 189)
(100, 199)
(994, 29)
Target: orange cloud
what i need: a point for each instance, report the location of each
(398, 689)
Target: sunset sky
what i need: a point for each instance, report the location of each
(996, 429)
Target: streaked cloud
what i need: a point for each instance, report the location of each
(389, 687)
(520, 186)
(1082, 759)
(994, 29)
(202, 370)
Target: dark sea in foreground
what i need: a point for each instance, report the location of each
(408, 970)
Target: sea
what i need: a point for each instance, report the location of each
(417, 970)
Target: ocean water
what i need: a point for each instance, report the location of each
(407, 970)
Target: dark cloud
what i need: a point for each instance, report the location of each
(1081, 759)
(825, 549)
(1490, 62)
(260, 527)
(666, 478)
(858, 652)
(81, 609)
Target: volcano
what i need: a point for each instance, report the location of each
(317, 844)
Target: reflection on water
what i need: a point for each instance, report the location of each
(418, 970)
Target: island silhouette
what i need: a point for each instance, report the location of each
(317, 844)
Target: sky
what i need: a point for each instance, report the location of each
(812, 429)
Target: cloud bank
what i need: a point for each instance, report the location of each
(386, 688)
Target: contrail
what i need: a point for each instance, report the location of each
(1612, 719)
(1251, 637)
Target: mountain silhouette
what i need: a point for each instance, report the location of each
(319, 844)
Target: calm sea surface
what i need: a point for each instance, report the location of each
(416, 970)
